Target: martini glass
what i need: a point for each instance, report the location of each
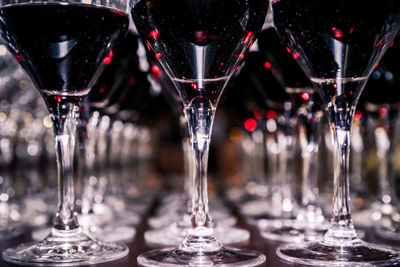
(281, 203)
(121, 76)
(247, 108)
(338, 44)
(62, 46)
(199, 45)
(174, 220)
(309, 222)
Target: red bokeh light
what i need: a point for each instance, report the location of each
(250, 124)
(383, 112)
(156, 71)
(248, 37)
(357, 115)
(271, 114)
(153, 34)
(305, 96)
(257, 114)
(338, 34)
(107, 60)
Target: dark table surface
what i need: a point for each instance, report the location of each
(138, 245)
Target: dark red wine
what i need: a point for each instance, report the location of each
(61, 46)
(253, 92)
(338, 44)
(280, 62)
(200, 44)
(124, 89)
(283, 66)
(119, 76)
(317, 32)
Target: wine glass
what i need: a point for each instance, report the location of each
(199, 45)
(279, 114)
(247, 108)
(173, 219)
(121, 76)
(63, 46)
(309, 222)
(338, 44)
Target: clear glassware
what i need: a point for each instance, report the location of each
(63, 46)
(174, 218)
(253, 201)
(11, 119)
(199, 45)
(280, 124)
(100, 221)
(338, 49)
(308, 223)
(381, 103)
(10, 216)
(123, 92)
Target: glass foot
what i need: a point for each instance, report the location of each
(174, 235)
(106, 234)
(225, 256)
(169, 218)
(321, 254)
(387, 233)
(256, 208)
(10, 232)
(291, 231)
(64, 248)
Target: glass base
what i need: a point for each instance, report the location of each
(64, 248)
(387, 233)
(322, 254)
(168, 218)
(107, 234)
(10, 232)
(257, 207)
(108, 231)
(225, 256)
(292, 231)
(174, 235)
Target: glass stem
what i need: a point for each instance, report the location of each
(288, 201)
(309, 119)
(188, 175)
(287, 143)
(309, 181)
(200, 115)
(65, 122)
(385, 140)
(341, 230)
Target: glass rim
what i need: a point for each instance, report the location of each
(119, 5)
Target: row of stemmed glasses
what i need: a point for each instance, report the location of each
(338, 49)
(379, 104)
(99, 214)
(22, 135)
(257, 103)
(199, 56)
(340, 244)
(308, 223)
(278, 215)
(124, 92)
(63, 46)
